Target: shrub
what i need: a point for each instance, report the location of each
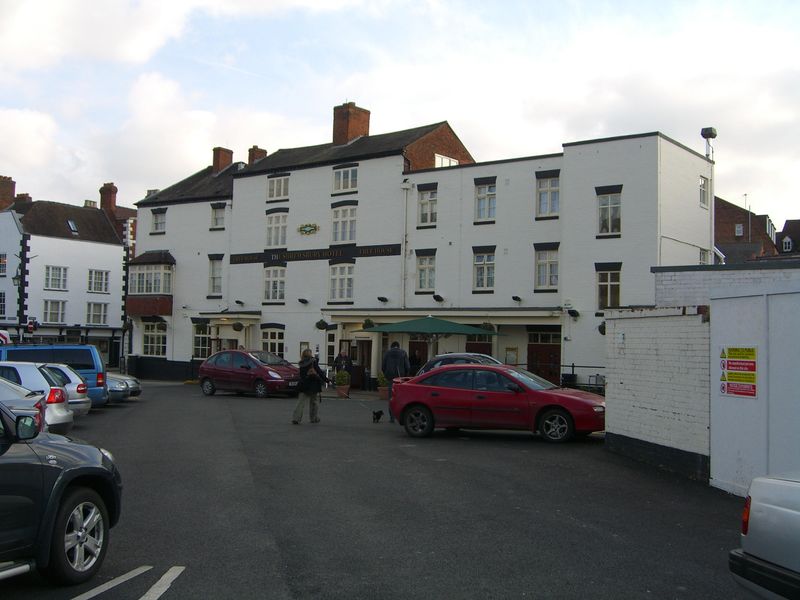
(382, 381)
(342, 378)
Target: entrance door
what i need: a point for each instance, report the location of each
(417, 354)
(544, 352)
(364, 355)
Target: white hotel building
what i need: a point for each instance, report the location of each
(301, 247)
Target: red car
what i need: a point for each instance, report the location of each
(257, 371)
(474, 396)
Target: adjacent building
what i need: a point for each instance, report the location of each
(308, 246)
(741, 235)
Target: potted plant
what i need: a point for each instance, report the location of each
(342, 383)
(383, 386)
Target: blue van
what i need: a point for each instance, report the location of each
(84, 358)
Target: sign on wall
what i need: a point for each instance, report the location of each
(738, 371)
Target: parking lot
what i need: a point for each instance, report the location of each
(225, 498)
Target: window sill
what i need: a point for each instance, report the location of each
(343, 193)
(608, 236)
(55, 290)
(547, 218)
(340, 302)
(277, 200)
(216, 229)
(281, 303)
(483, 222)
(158, 233)
(98, 292)
(545, 291)
(214, 297)
(426, 226)
(483, 291)
(424, 293)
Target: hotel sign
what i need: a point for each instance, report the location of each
(276, 257)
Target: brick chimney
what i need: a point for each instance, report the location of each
(23, 198)
(255, 153)
(8, 188)
(349, 122)
(108, 200)
(222, 159)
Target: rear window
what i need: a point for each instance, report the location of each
(30, 354)
(58, 374)
(80, 359)
(50, 378)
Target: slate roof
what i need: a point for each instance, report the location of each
(51, 219)
(792, 229)
(368, 146)
(154, 257)
(200, 186)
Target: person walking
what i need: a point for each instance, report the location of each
(310, 387)
(395, 364)
(343, 363)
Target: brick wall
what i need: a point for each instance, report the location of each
(657, 382)
(444, 141)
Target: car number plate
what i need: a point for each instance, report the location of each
(292, 383)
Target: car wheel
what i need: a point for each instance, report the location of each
(261, 389)
(555, 425)
(80, 537)
(208, 387)
(418, 421)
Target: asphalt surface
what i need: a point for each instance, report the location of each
(255, 507)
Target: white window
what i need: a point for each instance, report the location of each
(341, 282)
(72, 226)
(55, 278)
(344, 224)
(151, 279)
(426, 273)
(214, 276)
(787, 244)
(485, 202)
(159, 222)
(546, 269)
(345, 180)
(738, 229)
(274, 283)
(276, 230)
(154, 339)
(427, 208)
(704, 254)
(547, 197)
(272, 341)
(3, 263)
(201, 341)
(440, 161)
(608, 289)
(610, 211)
(483, 271)
(54, 311)
(2, 305)
(278, 188)
(96, 313)
(98, 281)
(217, 217)
(704, 191)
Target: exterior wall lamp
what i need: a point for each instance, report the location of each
(438, 298)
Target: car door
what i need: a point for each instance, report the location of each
(20, 492)
(449, 396)
(241, 372)
(221, 370)
(496, 404)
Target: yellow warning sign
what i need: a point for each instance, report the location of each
(741, 377)
(723, 354)
(740, 353)
(722, 377)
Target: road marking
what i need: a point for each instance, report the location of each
(162, 585)
(113, 583)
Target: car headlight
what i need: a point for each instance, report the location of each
(599, 408)
(273, 374)
(107, 454)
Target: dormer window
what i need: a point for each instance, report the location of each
(72, 227)
(787, 244)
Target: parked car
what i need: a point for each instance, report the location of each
(84, 358)
(134, 385)
(768, 562)
(458, 358)
(256, 371)
(36, 377)
(493, 396)
(74, 385)
(23, 401)
(118, 389)
(59, 497)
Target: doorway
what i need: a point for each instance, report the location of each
(544, 352)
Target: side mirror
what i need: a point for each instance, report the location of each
(26, 428)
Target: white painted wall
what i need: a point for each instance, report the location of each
(10, 237)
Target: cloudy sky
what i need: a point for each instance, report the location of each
(139, 92)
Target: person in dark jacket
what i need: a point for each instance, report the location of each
(395, 364)
(310, 387)
(343, 363)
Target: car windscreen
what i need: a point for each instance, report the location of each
(57, 374)
(268, 358)
(530, 380)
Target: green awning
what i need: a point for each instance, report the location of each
(430, 326)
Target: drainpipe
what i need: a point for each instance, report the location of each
(405, 186)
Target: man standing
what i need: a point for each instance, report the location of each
(395, 364)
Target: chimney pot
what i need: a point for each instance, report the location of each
(23, 197)
(8, 188)
(349, 122)
(223, 158)
(108, 198)
(255, 153)
(90, 204)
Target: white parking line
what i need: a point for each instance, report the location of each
(112, 584)
(162, 585)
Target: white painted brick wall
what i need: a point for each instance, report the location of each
(657, 382)
(688, 288)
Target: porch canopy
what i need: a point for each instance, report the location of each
(430, 326)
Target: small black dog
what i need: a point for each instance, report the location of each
(376, 416)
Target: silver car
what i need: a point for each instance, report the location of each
(75, 386)
(768, 563)
(22, 401)
(118, 389)
(35, 377)
(134, 385)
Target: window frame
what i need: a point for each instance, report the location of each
(273, 339)
(274, 276)
(606, 213)
(345, 179)
(201, 340)
(704, 189)
(218, 217)
(154, 339)
(2, 305)
(343, 224)
(101, 277)
(276, 229)
(485, 193)
(48, 311)
(426, 273)
(159, 222)
(55, 278)
(278, 188)
(427, 204)
(150, 279)
(215, 276)
(441, 161)
(341, 282)
(94, 317)
(546, 267)
(604, 299)
(486, 268)
(552, 193)
(3, 264)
